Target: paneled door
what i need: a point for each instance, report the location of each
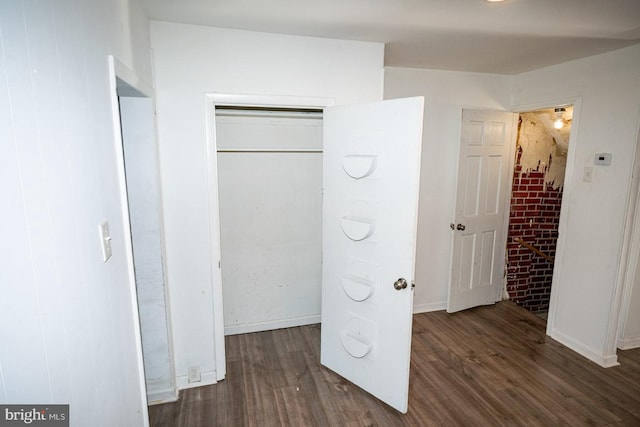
(486, 150)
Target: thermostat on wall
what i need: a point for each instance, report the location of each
(602, 159)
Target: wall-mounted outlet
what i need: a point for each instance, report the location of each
(194, 374)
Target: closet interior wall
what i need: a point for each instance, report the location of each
(270, 194)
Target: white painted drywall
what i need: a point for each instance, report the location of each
(191, 61)
(585, 283)
(446, 93)
(67, 333)
(143, 191)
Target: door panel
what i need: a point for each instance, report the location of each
(486, 151)
(371, 170)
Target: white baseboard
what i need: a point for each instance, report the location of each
(628, 343)
(426, 308)
(206, 378)
(166, 395)
(248, 328)
(606, 361)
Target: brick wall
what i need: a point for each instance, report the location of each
(534, 218)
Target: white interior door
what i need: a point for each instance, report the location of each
(486, 152)
(371, 171)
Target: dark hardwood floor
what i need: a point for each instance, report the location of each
(489, 366)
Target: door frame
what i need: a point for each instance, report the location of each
(241, 100)
(630, 257)
(121, 80)
(566, 194)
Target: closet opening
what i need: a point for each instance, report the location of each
(536, 199)
(269, 163)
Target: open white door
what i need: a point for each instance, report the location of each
(486, 151)
(371, 171)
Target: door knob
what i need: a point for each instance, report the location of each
(461, 227)
(400, 284)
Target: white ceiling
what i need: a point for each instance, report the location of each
(465, 35)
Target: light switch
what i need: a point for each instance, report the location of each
(105, 240)
(587, 175)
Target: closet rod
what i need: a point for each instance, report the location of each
(266, 109)
(269, 150)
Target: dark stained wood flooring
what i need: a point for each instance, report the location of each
(489, 366)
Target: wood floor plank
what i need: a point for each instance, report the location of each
(488, 366)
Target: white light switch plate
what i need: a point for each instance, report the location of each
(105, 240)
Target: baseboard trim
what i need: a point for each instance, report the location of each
(429, 307)
(166, 395)
(606, 361)
(628, 343)
(271, 325)
(206, 378)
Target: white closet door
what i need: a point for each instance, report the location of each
(270, 192)
(371, 183)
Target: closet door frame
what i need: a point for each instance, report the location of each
(240, 100)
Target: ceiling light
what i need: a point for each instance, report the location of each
(559, 123)
(494, 1)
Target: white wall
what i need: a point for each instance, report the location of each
(189, 62)
(67, 330)
(143, 191)
(270, 221)
(587, 272)
(446, 93)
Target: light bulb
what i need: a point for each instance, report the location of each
(558, 124)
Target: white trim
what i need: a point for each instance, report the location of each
(606, 361)
(165, 395)
(116, 70)
(429, 307)
(269, 100)
(141, 88)
(248, 328)
(207, 378)
(628, 343)
(211, 100)
(214, 242)
(458, 146)
(507, 202)
(630, 254)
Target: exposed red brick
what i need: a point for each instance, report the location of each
(534, 217)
